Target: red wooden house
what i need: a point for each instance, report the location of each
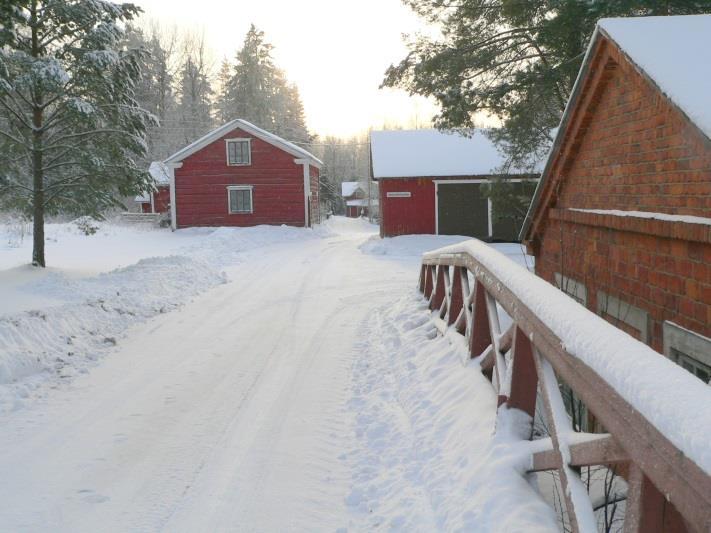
(157, 200)
(621, 219)
(242, 175)
(355, 196)
(430, 182)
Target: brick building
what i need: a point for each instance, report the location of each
(621, 219)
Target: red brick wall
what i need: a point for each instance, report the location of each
(201, 186)
(638, 153)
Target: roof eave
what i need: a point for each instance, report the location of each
(560, 136)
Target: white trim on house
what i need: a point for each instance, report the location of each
(249, 188)
(635, 317)
(259, 133)
(485, 180)
(572, 287)
(249, 151)
(307, 188)
(689, 342)
(173, 205)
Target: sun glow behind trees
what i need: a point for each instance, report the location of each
(335, 52)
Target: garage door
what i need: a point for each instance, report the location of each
(462, 210)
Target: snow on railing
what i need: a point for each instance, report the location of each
(657, 415)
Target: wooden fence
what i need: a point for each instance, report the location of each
(667, 492)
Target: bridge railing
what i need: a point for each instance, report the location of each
(651, 438)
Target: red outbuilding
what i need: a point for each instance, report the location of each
(242, 175)
(355, 196)
(431, 182)
(158, 199)
(621, 219)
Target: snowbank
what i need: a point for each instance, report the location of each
(57, 322)
(66, 339)
(426, 457)
(659, 389)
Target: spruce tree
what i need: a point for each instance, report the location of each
(70, 127)
(260, 93)
(195, 108)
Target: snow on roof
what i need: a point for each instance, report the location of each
(430, 152)
(264, 135)
(675, 52)
(159, 172)
(348, 188)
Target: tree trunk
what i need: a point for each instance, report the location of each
(37, 170)
(37, 207)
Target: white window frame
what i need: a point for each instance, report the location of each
(249, 188)
(633, 316)
(249, 151)
(691, 344)
(573, 288)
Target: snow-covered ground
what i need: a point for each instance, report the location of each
(262, 379)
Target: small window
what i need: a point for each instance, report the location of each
(688, 349)
(238, 152)
(575, 289)
(239, 199)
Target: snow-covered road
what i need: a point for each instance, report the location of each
(268, 404)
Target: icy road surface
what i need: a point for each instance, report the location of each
(307, 394)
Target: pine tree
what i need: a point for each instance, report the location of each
(516, 60)
(223, 104)
(70, 125)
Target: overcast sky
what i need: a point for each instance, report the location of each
(336, 51)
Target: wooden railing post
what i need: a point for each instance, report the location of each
(480, 334)
(524, 379)
(440, 289)
(668, 492)
(648, 511)
(456, 302)
(428, 281)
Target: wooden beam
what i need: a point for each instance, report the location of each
(597, 451)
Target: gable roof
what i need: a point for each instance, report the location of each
(433, 153)
(673, 52)
(348, 188)
(250, 128)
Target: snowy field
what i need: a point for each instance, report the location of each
(261, 379)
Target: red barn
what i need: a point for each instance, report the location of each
(430, 182)
(621, 219)
(242, 175)
(157, 200)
